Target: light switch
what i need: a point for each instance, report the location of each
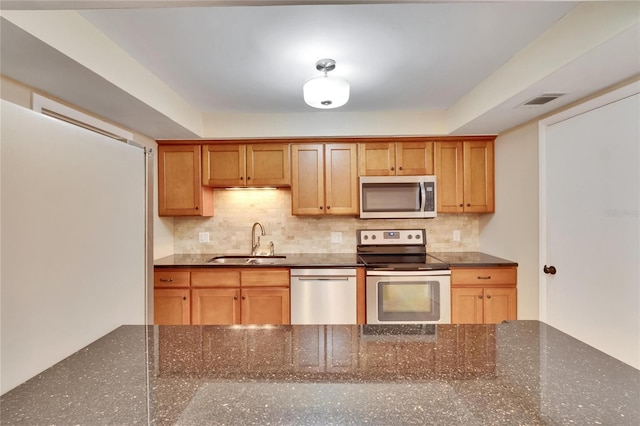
(203, 237)
(336, 237)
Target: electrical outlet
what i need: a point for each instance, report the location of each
(456, 235)
(336, 237)
(203, 237)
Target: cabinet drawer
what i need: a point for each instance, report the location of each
(265, 278)
(484, 276)
(171, 278)
(217, 278)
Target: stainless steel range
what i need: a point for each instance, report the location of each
(404, 284)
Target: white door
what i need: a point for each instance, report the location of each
(591, 166)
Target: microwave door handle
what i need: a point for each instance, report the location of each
(423, 197)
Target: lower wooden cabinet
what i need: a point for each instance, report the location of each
(483, 295)
(171, 306)
(222, 296)
(215, 306)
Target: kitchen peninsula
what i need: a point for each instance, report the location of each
(520, 372)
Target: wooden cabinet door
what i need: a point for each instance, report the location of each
(449, 177)
(414, 158)
(377, 159)
(500, 304)
(307, 179)
(223, 165)
(171, 306)
(341, 179)
(467, 305)
(478, 177)
(265, 306)
(180, 190)
(268, 164)
(215, 306)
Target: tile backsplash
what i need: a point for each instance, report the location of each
(235, 211)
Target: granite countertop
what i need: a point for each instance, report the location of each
(521, 372)
(471, 259)
(336, 260)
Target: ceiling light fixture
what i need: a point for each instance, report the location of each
(323, 91)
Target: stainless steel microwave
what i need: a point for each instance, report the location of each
(397, 197)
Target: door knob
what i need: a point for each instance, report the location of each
(549, 270)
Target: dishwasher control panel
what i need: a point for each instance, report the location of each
(391, 236)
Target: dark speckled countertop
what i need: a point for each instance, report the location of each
(517, 373)
(471, 259)
(458, 259)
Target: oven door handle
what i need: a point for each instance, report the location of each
(387, 272)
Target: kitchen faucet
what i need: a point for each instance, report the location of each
(256, 244)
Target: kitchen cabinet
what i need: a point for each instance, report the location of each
(237, 165)
(396, 158)
(171, 306)
(240, 296)
(180, 190)
(221, 296)
(324, 179)
(483, 295)
(171, 301)
(465, 176)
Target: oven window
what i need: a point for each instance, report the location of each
(409, 301)
(390, 197)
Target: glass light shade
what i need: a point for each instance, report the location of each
(326, 92)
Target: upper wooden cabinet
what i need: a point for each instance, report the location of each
(229, 165)
(324, 179)
(180, 190)
(465, 177)
(396, 158)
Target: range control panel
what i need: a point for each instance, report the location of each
(391, 236)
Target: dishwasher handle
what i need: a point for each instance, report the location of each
(324, 278)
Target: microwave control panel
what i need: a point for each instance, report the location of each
(391, 236)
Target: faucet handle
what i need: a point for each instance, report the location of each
(271, 248)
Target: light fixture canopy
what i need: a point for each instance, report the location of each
(323, 91)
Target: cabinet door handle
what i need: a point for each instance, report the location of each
(468, 205)
(164, 280)
(400, 168)
(248, 177)
(461, 205)
(328, 207)
(244, 297)
(480, 297)
(320, 207)
(197, 208)
(241, 177)
(488, 296)
(184, 297)
(488, 277)
(235, 297)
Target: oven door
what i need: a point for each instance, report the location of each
(408, 297)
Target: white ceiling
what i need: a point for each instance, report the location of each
(248, 59)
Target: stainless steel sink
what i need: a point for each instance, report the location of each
(248, 260)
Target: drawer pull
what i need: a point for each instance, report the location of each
(488, 277)
(164, 280)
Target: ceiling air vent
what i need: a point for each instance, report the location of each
(542, 99)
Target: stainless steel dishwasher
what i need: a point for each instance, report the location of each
(323, 296)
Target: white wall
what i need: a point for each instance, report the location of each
(512, 231)
(73, 258)
(20, 94)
